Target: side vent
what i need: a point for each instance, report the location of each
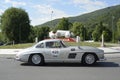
(72, 55)
(73, 49)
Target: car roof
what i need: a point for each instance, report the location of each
(49, 40)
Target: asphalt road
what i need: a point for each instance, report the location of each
(14, 70)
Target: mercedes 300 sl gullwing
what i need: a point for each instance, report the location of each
(55, 50)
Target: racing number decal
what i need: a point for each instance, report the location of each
(55, 52)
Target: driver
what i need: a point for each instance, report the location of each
(50, 45)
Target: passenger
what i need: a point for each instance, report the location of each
(50, 45)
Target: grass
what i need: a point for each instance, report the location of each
(17, 46)
(94, 44)
(26, 45)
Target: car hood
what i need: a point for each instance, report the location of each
(87, 48)
(25, 50)
(92, 49)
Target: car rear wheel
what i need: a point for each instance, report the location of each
(36, 59)
(89, 59)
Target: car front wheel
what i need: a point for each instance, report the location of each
(89, 59)
(36, 59)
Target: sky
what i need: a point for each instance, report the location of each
(41, 11)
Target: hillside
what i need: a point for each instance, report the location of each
(90, 19)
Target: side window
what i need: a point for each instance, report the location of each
(53, 44)
(40, 45)
(57, 45)
(49, 44)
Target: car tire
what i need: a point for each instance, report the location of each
(89, 59)
(36, 59)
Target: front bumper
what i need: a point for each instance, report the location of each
(23, 58)
(17, 58)
(103, 59)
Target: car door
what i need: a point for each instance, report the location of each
(55, 52)
(69, 54)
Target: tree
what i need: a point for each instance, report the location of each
(32, 34)
(88, 35)
(15, 25)
(79, 30)
(97, 33)
(107, 35)
(1, 37)
(42, 32)
(64, 24)
(118, 29)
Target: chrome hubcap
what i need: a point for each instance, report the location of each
(90, 59)
(36, 59)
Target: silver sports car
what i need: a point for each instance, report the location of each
(55, 50)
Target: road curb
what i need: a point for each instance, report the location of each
(112, 53)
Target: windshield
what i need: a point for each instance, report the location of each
(41, 45)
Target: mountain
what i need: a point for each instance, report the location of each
(107, 15)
